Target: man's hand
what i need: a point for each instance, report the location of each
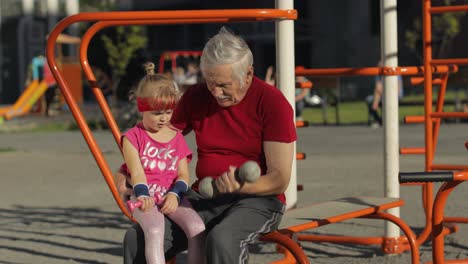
(227, 183)
(122, 188)
(169, 204)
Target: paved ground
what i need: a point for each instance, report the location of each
(56, 207)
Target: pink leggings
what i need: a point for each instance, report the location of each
(152, 223)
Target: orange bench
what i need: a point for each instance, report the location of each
(329, 212)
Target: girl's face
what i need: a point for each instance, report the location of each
(153, 121)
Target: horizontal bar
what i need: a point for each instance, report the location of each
(412, 151)
(372, 71)
(302, 123)
(169, 54)
(300, 156)
(222, 14)
(455, 219)
(420, 80)
(304, 85)
(458, 61)
(443, 9)
(449, 115)
(448, 167)
(437, 176)
(414, 119)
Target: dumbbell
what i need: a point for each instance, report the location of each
(248, 172)
(132, 205)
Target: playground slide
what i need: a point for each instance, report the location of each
(26, 101)
(31, 87)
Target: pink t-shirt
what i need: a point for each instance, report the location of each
(159, 160)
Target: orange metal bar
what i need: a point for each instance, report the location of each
(232, 15)
(346, 216)
(371, 71)
(456, 220)
(304, 85)
(411, 238)
(454, 261)
(443, 9)
(414, 119)
(302, 123)
(439, 108)
(428, 135)
(438, 221)
(340, 239)
(450, 115)
(282, 237)
(300, 156)
(288, 257)
(420, 80)
(448, 167)
(412, 151)
(463, 61)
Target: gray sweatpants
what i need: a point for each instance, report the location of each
(232, 222)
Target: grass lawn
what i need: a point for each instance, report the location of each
(355, 113)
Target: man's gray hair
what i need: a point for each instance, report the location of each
(227, 48)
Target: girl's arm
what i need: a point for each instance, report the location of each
(138, 177)
(174, 195)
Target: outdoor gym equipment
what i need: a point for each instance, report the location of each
(434, 72)
(337, 211)
(247, 172)
(106, 19)
(434, 207)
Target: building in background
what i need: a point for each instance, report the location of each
(24, 25)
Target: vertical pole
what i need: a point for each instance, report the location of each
(72, 7)
(389, 56)
(428, 124)
(285, 80)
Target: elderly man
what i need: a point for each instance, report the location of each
(236, 117)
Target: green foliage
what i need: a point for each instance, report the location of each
(445, 27)
(121, 46)
(97, 6)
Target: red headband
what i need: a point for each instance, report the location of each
(152, 104)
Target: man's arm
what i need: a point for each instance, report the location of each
(279, 158)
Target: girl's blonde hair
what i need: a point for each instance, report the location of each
(157, 89)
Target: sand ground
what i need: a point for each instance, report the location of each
(56, 207)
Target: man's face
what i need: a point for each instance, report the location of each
(225, 89)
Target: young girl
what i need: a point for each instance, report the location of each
(156, 158)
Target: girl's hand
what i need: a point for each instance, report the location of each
(147, 203)
(169, 204)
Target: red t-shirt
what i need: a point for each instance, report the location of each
(233, 135)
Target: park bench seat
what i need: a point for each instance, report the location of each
(334, 211)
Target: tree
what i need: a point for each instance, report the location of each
(445, 27)
(120, 43)
(121, 46)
